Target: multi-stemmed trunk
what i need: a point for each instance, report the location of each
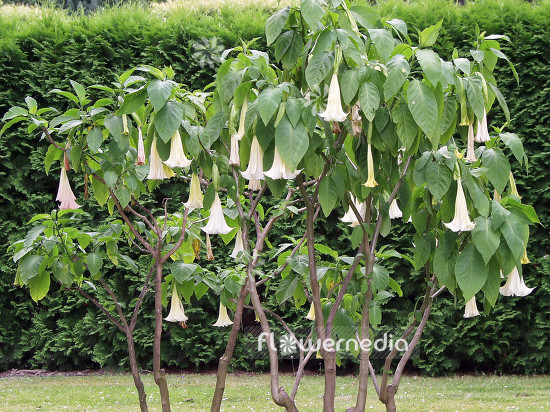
(135, 372)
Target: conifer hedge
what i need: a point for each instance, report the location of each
(43, 50)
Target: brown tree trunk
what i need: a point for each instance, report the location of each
(390, 401)
(225, 360)
(135, 372)
(158, 373)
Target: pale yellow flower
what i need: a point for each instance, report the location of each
(223, 317)
(177, 313)
(471, 309)
(334, 111)
(461, 221)
(371, 181)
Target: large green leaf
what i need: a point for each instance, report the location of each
(398, 70)
(438, 178)
(115, 126)
(407, 129)
(491, 289)
(287, 287)
(445, 260)
(423, 106)
(328, 195)
(383, 42)
(349, 84)
(474, 91)
(292, 142)
(28, 267)
(168, 120)
(94, 262)
(369, 97)
(429, 36)
(431, 65)
(133, 101)
(486, 238)
(268, 103)
(39, 285)
(380, 277)
(318, 68)
(159, 92)
(275, 24)
(312, 12)
(471, 271)
(183, 271)
(514, 144)
(498, 168)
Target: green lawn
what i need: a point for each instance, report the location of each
(192, 392)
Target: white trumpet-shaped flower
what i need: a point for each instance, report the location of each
(255, 169)
(350, 217)
(311, 314)
(461, 221)
(65, 194)
(156, 167)
(334, 111)
(176, 308)
(223, 317)
(371, 181)
(177, 156)
(482, 134)
(515, 286)
(470, 153)
(216, 223)
(471, 308)
(140, 149)
(234, 158)
(279, 169)
(395, 212)
(239, 246)
(195, 194)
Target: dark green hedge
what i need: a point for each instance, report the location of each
(64, 332)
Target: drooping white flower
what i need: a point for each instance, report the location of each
(239, 247)
(461, 221)
(65, 194)
(350, 217)
(176, 308)
(209, 252)
(482, 134)
(177, 156)
(234, 158)
(140, 149)
(334, 111)
(515, 286)
(240, 133)
(395, 212)
(195, 194)
(311, 314)
(216, 223)
(471, 308)
(371, 181)
(279, 169)
(156, 167)
(223, 318)
(255, 169)
(470, 153)
(356, 124)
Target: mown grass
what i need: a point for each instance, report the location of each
(250, 392)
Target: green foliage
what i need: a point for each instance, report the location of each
(104, 45)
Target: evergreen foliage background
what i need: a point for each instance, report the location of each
(42, 51)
